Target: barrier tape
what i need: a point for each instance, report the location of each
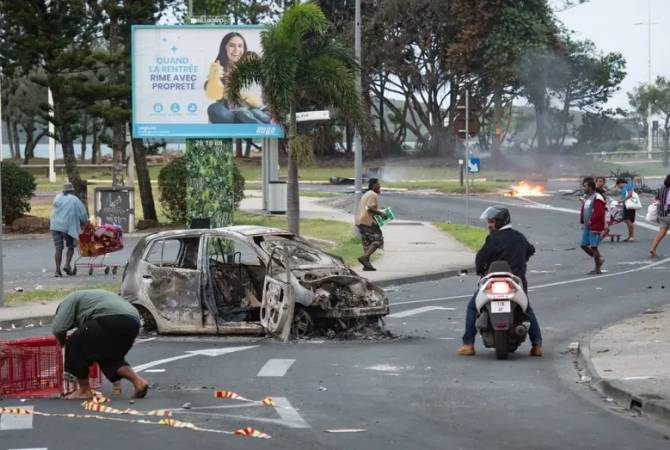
(95, 407)
(267, 401)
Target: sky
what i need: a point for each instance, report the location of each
(610, 25)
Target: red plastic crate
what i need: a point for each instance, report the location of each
(33, 367)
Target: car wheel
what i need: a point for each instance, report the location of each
(303, 324)
(146, 319)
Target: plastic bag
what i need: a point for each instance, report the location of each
(652, 212)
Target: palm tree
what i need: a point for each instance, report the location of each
(300, 64)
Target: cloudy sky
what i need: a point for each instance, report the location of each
(610, 25)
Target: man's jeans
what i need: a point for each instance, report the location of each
(471, 318)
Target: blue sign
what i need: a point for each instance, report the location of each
(474, 165)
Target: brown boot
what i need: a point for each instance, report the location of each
(536, 351)
(466, 350)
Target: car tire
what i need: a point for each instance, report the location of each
(147, 320)
(303, 324)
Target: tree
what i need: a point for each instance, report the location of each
(601, 127)
(55, 36)
(300, 63)
(658, 95)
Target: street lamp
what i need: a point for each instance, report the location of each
(358, 151)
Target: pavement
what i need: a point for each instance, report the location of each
(628, 362)
(410, 391)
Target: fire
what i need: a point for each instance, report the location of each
(523, 189)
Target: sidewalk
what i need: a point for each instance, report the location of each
(414, 251)
(628, 362)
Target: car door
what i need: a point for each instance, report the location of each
(171, 280)
(278, 304)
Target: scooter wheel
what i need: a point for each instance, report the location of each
(502, 343)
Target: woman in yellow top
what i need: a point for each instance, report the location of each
(250, 110)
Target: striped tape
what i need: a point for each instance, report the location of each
(17, 411)
(267, 401)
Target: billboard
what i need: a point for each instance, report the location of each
(179, 76)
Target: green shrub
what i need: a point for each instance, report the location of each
(172, 188)
(18, 187)
(215, 184)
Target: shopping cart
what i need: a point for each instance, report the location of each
(33, 368)
(614, 217)
(95, 243)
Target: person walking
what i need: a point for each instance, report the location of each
(663, 199)
(592, 218)
(371, 233)
(626, 192)
(67, 217)
(106, 328)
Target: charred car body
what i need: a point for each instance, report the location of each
(244, 280)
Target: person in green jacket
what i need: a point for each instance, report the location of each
(106, 328)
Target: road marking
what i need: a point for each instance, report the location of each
(155, 370)
(142, 341)
(447, 339)
(415, 311)
(16, 421)
(41, 448)
(275, 368)
(637, 378)
(289, 414)
(206, 352)
(430, 300)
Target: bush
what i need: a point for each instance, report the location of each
(172, 188)
(18, 187)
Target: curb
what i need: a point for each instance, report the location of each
(421, 278)
(10, 324)
(618, 391)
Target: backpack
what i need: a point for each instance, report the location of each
(664, 202)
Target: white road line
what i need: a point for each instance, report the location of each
(41, 448)
(415, 311)
(288, 414)
(189, 354)
(275, 368)
(431, 300)
(142, 341)
(16, 421)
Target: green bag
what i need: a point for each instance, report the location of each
(389, 217)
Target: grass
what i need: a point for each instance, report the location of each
(37, 295)
(339, 233)
(471, 237)
(449, 187)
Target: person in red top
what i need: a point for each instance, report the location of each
(592, 218)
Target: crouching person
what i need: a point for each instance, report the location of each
(106, 327)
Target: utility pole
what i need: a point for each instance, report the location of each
(358, 150)
(2, 272)
(649, 24)
(467, 157)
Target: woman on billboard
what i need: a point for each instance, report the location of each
(232, 50)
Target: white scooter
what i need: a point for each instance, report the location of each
(501, 305)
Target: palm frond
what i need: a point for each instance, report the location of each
(302, 19)
(244, 74)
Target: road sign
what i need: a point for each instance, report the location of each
(311, 116)
(474, 165)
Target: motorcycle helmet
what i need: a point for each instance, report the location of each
(500, 215)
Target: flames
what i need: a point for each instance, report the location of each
(523, 189)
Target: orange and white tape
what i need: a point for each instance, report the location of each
(17, 411)
(267, 401)
(248, 431)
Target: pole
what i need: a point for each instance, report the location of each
(649, 129)
(52, 141)
(131, 158)
(2, 255)
(190, 9)
(467, 157)
(358, 151)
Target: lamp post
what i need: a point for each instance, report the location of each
(358, 150)
(649, 23)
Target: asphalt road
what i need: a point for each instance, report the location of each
(412, 392)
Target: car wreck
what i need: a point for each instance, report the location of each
(245, 280)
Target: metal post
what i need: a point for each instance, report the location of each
(649, 129)
(190, 9)
(131, 158)
(358, 150)
(52, 141)
(2, 273)
(467, 157)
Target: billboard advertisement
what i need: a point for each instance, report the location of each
(179, 77)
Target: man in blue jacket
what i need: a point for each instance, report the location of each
(67, 217)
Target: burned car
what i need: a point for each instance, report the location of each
(244, 280)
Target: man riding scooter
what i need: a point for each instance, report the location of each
(502, 244)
